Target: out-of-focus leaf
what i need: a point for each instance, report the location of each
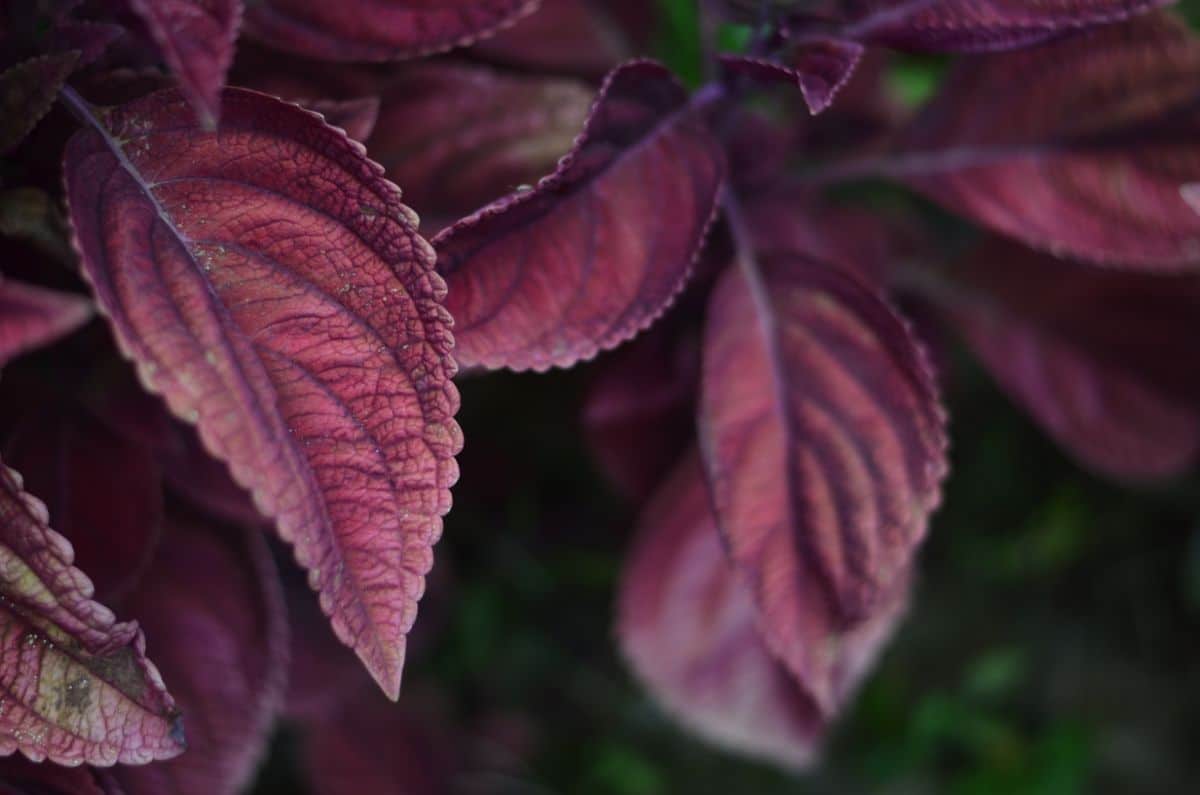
(586, 259)
(31, 317)
(481, 136)
(269, 283)
(578, 37)
(378, 30)
(824, 442)
(356, 116)
(1082, 147)
(196, 38)
(30, 214)
(27, 92)
(19, 776)
(819, 68)
(213, 605)
(77, 687)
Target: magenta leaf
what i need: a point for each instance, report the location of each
(579, 37)
(269, 283)
(482, 135)
(824, 443)
(31, 317)
(980, 25)
(196, 38)
(689, 628)
(378, 30)
(586, 259)
(213, 606)
(75, 685)
(819, 67)
(1092, 355)
(27, 91)
(1090, 163)
(356, 116)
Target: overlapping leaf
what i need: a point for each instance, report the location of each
(1082, 147)
(378, 30)
(1094, 356)
(481, 135)
(824, 444)
(75, 685)
(196, 38)
(31, 317)
(820, 68)
(598, 249)
(27, 91)
(565, 36)
(270, 285)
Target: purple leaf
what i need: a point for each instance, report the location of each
(979, 25)
(31, 317)
(481, 136)
(586, 259)
(356, 116)
(819, 67)
(1082, 148)
(578, 37)
(824, 443)
(268, 282)
(196, 38)
(213, 606)
(75, 685)
(1093, 355)
(27, 92)
(688, 627)
(378, 30)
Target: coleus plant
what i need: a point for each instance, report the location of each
(295, 330)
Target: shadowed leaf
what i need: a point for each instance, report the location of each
(578, 37)
(27, 92)
(269, 283)
(19, 776)
(31, 317)
(819, 68)
(586, 259)
(356, 116)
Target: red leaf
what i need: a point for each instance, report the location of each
(213, 606)
(75, 685)
(378, 30)
(688, 629)
(586, 259)
(31, 317)
(196, 38)
(482, 134)
(580, 37)
(1082, 149)
(268, 282)
(1048, 331)
(819, 67)
(27, 92)
(825, 446)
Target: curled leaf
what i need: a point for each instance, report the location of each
(378, 30)
(824, 443)
(819, 67)
(586, 259)
(269, 283)
(75, 685)
(31, 317)
(27, 92)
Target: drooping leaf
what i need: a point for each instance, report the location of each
(356, 116)
(1094, 356)
(481, 135)
(31, 317)
(979, 25)
(268, 282)
(196, 38)
(75, 685)
(587, 258)
(577, 37)
(27, 92)
(819, 67)
(214, 608)
(824, 444)
(378, 30)
(689, 629)
(1082, 148)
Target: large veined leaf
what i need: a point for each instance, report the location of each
(481, 135)
(196, 38)
(269, 283)
(1081, 149)
(598, 249)
(31, 317)
(978, 25)
(688, 626)
(824, 443)
(378, 30)
(213, 605)
(75, 685)
(1095, 356)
